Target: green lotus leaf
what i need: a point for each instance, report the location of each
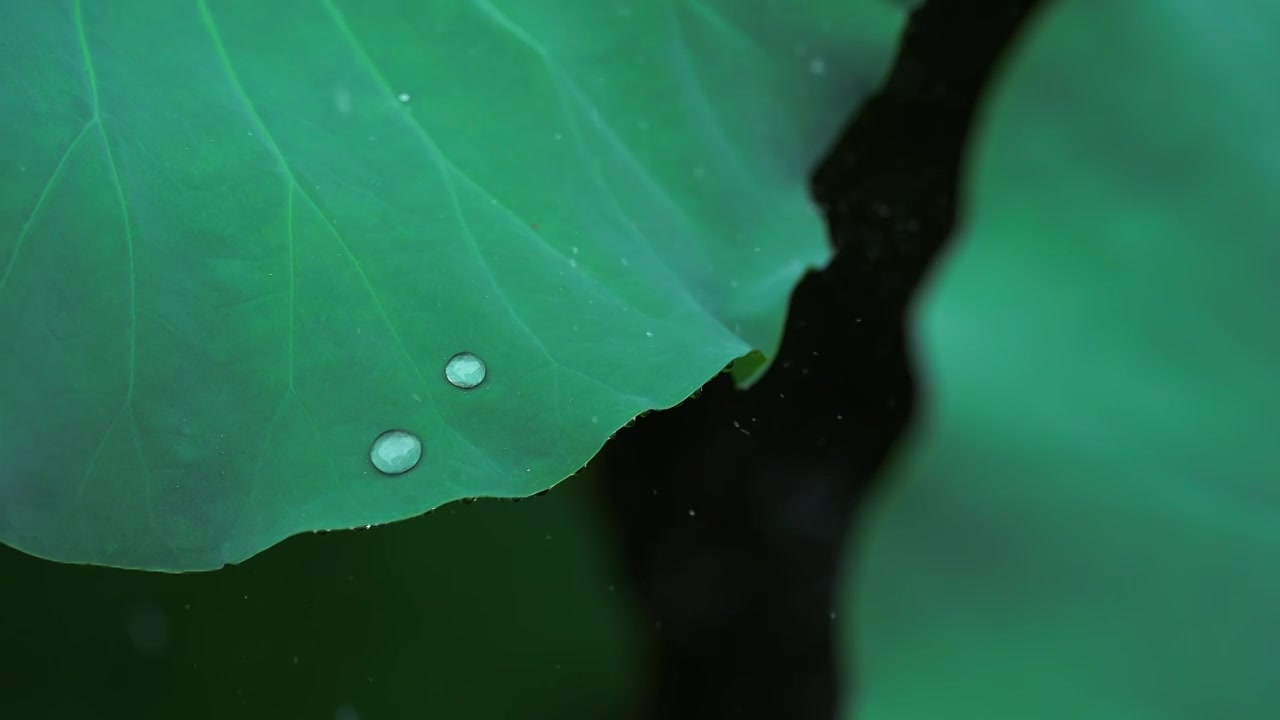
(1086, 522)
(241, 240)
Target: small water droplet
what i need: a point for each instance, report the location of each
(465, 370)
(395, 452)
(403, 97)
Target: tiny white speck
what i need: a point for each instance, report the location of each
(573, 250)
(691, 512)
(573, 263)
(648, 333)
(404, 97)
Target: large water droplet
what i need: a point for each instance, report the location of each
(395, 452)
(465, 370)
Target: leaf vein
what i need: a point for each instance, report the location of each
(91, 73)
(44, 194)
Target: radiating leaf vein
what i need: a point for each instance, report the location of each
(44, 194)
(447, 171)
(87, 57)
(565, 82)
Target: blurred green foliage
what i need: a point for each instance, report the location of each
(1086, 522)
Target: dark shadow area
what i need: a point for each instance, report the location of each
(734, 506)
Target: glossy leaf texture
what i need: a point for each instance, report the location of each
(1086, 522)
(240, 240)
(485, 611)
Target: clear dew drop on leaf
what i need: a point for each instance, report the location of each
(465, 370)
(395, 452)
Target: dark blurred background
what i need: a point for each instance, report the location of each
(733, 530)
(688, 573)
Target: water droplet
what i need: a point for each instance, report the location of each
(395, 452)
(465, 370)
(403, 97)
